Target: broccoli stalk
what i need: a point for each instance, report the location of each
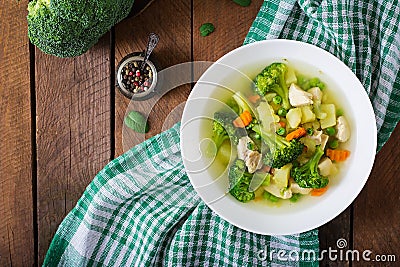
(281, 151)
(239, 181)
(67, 28)
(223, 125)
(241, 102)
(307, 175)
(241, 106)
(272, 80)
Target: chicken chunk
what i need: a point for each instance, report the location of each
(298, 97)
(316, 93)
(251, 158)
(320, 138)
(295, 188)
(342, 129)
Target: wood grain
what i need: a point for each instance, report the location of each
(329, 234)
(73, 131)
(377, 208)
(171, 20)
(16, 213)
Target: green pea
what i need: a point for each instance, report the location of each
(282, 112)
(310, 131)
(270, 197)
(281, 131)
(250, 146)
(295, 197)
(333, 144)
(330, 131)
(277, 99)
(257, 136)
(339, 112)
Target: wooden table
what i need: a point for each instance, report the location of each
(61, 122)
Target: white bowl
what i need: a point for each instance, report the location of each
(235, 71)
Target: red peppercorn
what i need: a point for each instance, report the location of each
(130, 73)
(137, 73)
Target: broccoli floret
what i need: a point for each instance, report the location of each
(239, 181)
(307, 175)
(281, 151)
(225, 120)
(69, 28)
(272, 79)
(219, 134)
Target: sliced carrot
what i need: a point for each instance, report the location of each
(246, 117)
(254, 98)
(316, 192)
(338, 154)
(299, 132)
(238, 123)
(243, 120)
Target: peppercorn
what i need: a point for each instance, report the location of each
(135, 79)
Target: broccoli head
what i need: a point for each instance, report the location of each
(66, 28)
(219, 134)
(272, 80)
(239, 181)
(280, 151)
(307, 175)
(223, 120)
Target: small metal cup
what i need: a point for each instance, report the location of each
(136, 57)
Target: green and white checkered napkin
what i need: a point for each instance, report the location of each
(140, 210)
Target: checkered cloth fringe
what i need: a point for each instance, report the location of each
(141, 210)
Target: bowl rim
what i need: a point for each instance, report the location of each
(372, 144)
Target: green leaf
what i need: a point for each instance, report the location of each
(137, 122)
(242, 2)
(206, 29)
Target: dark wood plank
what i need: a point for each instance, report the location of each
(329, 234)
(171, 20)
(16, 214)
(377, 208)
(73, 131)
